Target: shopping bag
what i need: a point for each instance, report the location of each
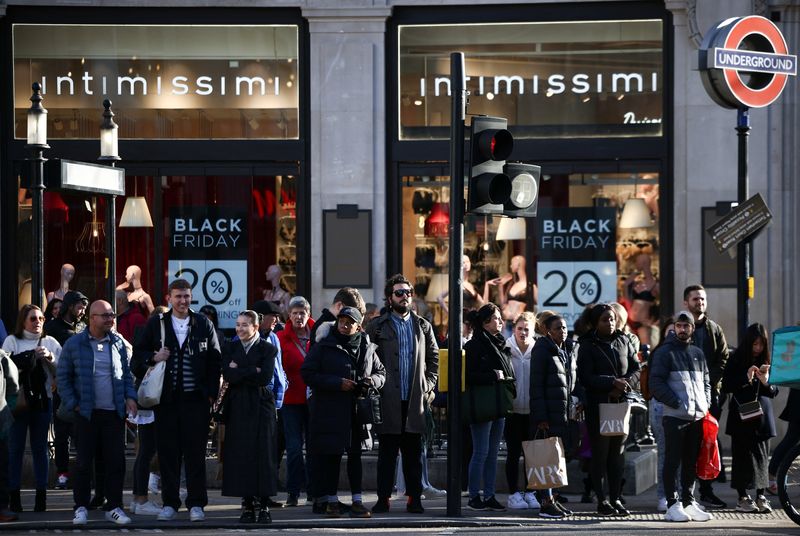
(615, 418)
(545, 463)
(150, 389)
(785, 368)
(708, 462)
(484, 403)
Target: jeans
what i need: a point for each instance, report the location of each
(682, 443)
(791, 439)
(295, 428)
(656, 414)
(485, 444)
(38, 423)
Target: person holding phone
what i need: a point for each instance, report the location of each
(750, 426)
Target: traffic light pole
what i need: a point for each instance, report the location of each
(743, 250)
(456, 297)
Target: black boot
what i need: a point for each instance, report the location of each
(587, 491)
(41, 501)
(14, 501)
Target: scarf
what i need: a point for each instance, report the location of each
(350, 343)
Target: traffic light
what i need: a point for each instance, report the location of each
(524, 198)
(490, 144)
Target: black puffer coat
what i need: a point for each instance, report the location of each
(600, 363)
(553, 378)
(331, 428)
(249, 455)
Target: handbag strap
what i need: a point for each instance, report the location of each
(758, 386)
(610, 361)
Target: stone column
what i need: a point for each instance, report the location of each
(347, 135)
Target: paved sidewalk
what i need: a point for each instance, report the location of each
(223, 513)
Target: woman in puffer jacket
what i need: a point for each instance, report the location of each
(518, 425)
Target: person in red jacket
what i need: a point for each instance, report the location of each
(294, 339)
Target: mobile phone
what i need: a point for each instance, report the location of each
(764, 369)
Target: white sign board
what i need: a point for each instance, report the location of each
(568, 287)
(221, 283)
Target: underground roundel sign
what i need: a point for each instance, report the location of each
(744, 62)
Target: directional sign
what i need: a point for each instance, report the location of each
(95, 178)
(740, 223)
(744, 61)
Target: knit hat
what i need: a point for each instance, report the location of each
(72, 297)
(684, 316)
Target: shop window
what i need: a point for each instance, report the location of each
(193, 82)
(585, 246)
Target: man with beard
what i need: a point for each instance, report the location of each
(407, 348)
(709, 337)
(679, 380)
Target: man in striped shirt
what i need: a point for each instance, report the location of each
(408, 350)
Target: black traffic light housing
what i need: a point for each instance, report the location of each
(524, 198)
(490, 144)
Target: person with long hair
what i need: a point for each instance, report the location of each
(36, 356)
(607, 367)
(250, 471)
(487, 362)
(746, 378)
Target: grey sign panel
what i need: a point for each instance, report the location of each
(94, 178)
(740, 223)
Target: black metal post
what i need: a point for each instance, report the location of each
(456, 298)
(111, 248)
(37, 193)
(743, 249)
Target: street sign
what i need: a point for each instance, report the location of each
(740, 223)
(744, 62)
(95, 178)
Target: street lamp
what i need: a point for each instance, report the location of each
(37, 143)
(109, 149)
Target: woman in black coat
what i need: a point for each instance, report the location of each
(607, 366)
(250, 468)
(746, 378)
(487, 362)
(338, 369)
(552, 381)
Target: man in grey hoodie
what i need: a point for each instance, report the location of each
(679, 379)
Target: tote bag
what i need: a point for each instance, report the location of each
(785, 368)
(149, 393)
(614, 419)
(545, 463)
(484, 403)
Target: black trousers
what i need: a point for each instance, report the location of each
(62, 430)
(608, 464)
(681, 445)
(147, 449)
(517, 430)
(182, 436)
(4, 474)
(411, 447)
(106, 431)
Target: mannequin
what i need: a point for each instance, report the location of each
(67, 273)
(642, 291)
(276, 293)
(133, 286)
(472, 300)
(515, 298)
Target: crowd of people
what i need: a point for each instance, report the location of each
(319, 389)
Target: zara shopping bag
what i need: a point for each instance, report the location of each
(545, 463)
(615, 418)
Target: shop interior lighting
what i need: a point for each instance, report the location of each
(135, 212)
(438, 285)
(635, 214)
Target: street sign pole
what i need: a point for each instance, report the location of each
(454, 447)
(743, 267)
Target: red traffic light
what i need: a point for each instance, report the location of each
(495, 144)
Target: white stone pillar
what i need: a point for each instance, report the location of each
(347, 134)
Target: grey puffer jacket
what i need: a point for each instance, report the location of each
(679, 379)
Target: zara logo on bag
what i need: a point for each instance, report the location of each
(545, 474)
(611, 426)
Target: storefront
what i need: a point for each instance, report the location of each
(587, 94)
(211, 108)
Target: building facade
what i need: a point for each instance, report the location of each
(306, 144)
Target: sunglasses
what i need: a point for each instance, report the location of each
(399, 293)
(106, 316)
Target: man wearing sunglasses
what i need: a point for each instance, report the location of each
(407, 348)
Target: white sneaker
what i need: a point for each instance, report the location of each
(662, 505)
(516, 502)
(530, 499)
(117, 515)
(81, 516)
(167, 514)
(154, 483)
(677, 513)
(696, 514)
(435, 492)
(196, 514)
(146, 508)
